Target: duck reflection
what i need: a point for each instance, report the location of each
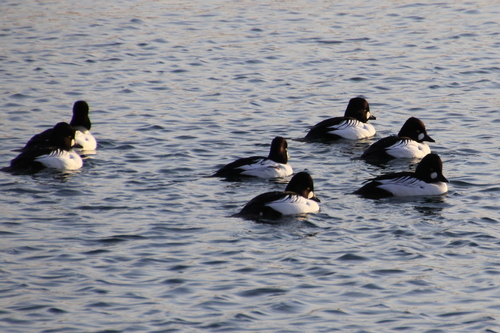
(431, 206)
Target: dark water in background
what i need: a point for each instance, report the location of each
(140, 240)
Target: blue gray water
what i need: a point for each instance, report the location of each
(140, 240)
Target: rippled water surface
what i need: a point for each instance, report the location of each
(140, 240)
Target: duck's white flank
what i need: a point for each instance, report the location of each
(408, 149)
(411, 186)
(294, 204)
(353, 130)
(61, 159)
(266, 168)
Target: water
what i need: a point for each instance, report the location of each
(140, 240)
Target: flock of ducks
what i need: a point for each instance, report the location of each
(299, 197)
(53, 148)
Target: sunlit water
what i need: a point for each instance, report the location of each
(140, 240)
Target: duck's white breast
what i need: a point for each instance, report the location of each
(85, 139)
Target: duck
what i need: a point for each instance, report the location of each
(82, 125)
(298, 198)
(352, 126)
(80, 122)
(55, 153)
(428, 179)
(274, 166)
(409, 143)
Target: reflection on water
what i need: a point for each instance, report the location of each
(432, 206)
